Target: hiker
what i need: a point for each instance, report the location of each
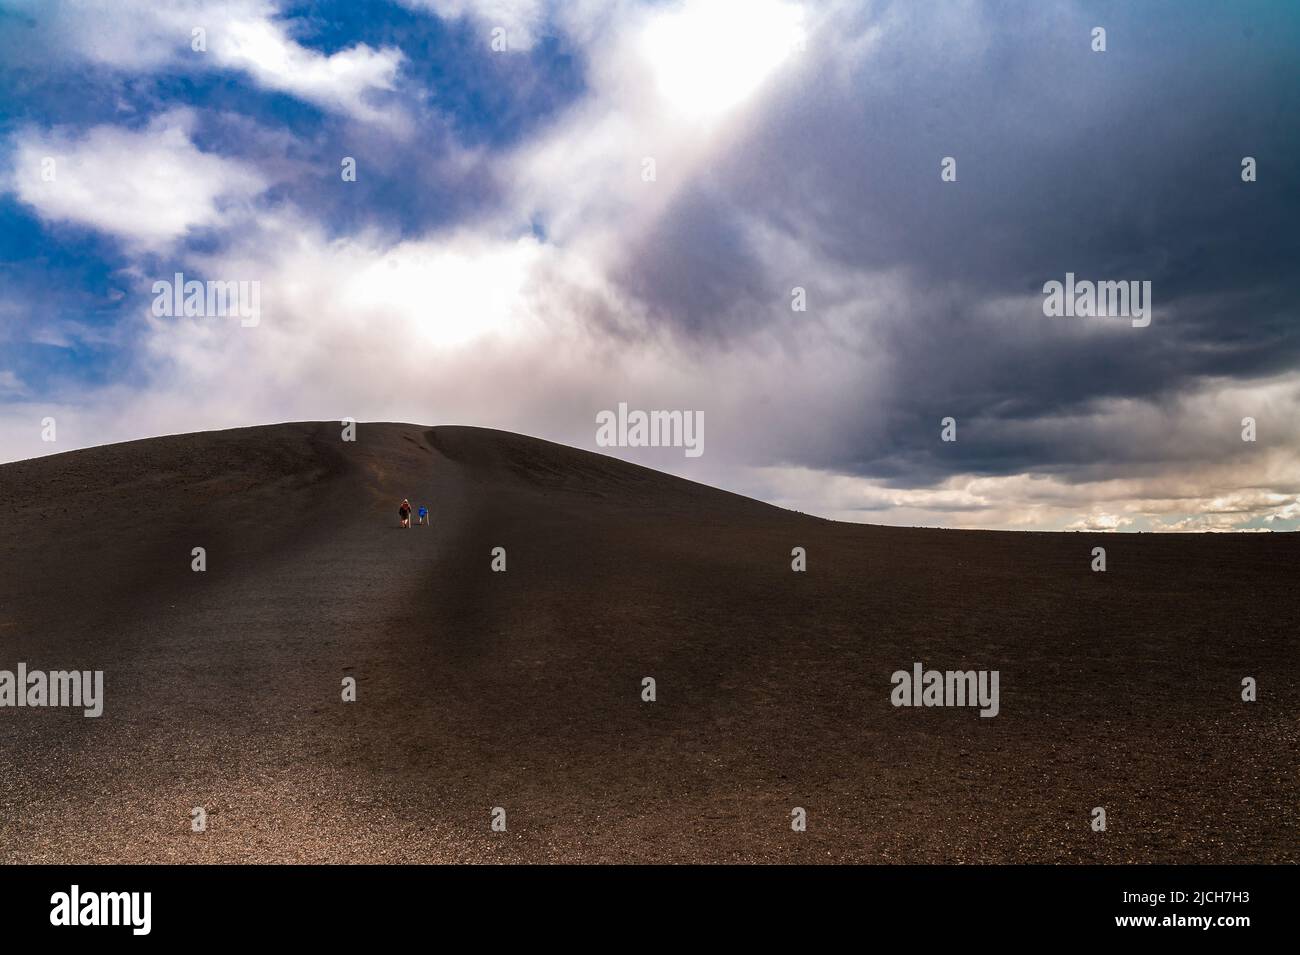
(404, 512)
(423, 513)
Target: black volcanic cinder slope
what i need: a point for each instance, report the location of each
(522, 689)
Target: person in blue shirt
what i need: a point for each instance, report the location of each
(423, 513)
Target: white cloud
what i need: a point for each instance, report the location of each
(1100, 522)
(241, 35)
(341, 81)
(1037, 501)
(149, 187)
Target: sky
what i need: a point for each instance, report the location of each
(824, 228)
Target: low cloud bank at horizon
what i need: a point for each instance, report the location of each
(503, 259)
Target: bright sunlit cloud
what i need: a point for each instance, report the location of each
(709, 58)
(447, 294)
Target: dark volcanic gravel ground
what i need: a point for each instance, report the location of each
(522, 689)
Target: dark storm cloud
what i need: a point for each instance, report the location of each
(1121, 165)
(698, 270)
